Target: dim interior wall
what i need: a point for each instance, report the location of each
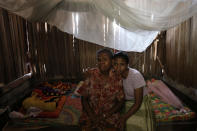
(55, 54)
(181, 53)
(12, 47)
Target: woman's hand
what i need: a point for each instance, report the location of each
(121, 123)
(98, 121)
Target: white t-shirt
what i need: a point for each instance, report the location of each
(133, 81)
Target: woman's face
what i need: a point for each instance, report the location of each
(104, 62)
(120, 65)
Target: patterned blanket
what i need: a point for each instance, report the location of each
(165, 112)
(69, 116)
(142, 120)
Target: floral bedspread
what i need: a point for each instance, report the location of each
(165, 112)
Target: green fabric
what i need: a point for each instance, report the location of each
(142, 120)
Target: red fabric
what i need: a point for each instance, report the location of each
(43, 96)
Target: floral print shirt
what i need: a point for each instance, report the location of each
(103, 93)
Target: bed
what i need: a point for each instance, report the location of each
(168, 118)
(68, 119)
(65, 116)
(158, 115)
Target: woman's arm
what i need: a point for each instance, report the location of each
(95, 120)
(116, 108)
(138, 93)
(87, 108)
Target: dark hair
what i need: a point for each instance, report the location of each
(122, 55)
(105, 50)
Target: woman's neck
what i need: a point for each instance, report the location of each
(125, 73)
(105, 74)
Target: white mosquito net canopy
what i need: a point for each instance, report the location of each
(128, 25)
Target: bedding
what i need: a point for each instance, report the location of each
(48, 97)
(69, 115)
(56, 112)
(166, 113)
(64, 113)
(142, 120)
(162, 90)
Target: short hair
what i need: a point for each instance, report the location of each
(122, 55)
(105, 50)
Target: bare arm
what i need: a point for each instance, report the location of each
(87, 108)
(138, 93)
(117, 107)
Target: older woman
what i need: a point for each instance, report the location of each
(102, 96)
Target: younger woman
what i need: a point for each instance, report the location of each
(133, 84)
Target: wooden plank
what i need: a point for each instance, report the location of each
(19, 48)
(16, 95)
(194, 51)
(12, 85)
(167, 52)
(144, 62)
(31, 46)
(36, 50)
(180, 47)
(161, 54)
(172, 71)
(153, 59)
(2, 70)
(188, 54)
(176, 53)
(184, 37)
(9, 72)
(148, 62)
(184, 46)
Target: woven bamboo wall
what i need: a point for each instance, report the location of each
(54, 54)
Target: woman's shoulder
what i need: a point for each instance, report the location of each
(93, 70)
(113, 75)
(133, 71)
(89, 72)
(135, 75)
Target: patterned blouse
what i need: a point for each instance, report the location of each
(103, 94)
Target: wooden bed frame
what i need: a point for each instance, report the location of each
(11, 96)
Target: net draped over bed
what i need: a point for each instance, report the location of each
(129, 25)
